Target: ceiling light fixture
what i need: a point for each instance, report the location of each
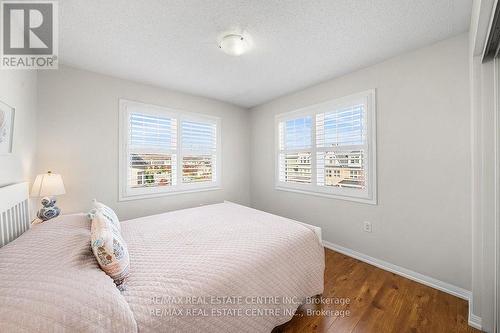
(234, 44)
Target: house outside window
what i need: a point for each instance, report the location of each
(329, 149)
(165, 151)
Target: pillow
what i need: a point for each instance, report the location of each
(107, 212)
(109, 248)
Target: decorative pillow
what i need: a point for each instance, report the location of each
(109, 248)
(107, 212)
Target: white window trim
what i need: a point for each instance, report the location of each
(125, 193)
(368, 196)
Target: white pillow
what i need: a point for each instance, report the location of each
(107, 212)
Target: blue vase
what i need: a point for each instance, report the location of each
(49, 209)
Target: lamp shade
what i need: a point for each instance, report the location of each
(48, 184)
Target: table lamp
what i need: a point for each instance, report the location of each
(47, 186)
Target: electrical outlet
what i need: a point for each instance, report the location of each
(367, 226)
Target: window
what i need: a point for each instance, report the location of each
(165, 151)
(296, 159)
(199, 149)
(329, 149)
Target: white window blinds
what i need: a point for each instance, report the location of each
(152, 151)
(166, 151)
(341, 145)
(295, 150)
(199, 147)
(329, 148)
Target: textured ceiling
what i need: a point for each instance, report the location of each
(298, 43)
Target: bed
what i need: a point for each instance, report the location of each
(215, 268)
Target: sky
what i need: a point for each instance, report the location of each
(337, 128)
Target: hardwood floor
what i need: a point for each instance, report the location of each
(379, 302)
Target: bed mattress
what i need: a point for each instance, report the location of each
(216, 268)
(219, 268)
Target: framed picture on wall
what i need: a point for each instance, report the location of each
(6, 128)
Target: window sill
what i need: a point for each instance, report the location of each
(164, 194)
(327, 195)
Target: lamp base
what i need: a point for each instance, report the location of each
(49, 209)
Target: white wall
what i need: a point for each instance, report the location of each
(422, 220)
(78, 138)
(18, 89)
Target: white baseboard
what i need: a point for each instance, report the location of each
(474, 320)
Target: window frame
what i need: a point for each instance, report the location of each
(125, 192)
(369, 195)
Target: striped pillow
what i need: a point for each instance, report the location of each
(109, 248)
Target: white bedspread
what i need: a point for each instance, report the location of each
(209, 256)
(50, 282)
